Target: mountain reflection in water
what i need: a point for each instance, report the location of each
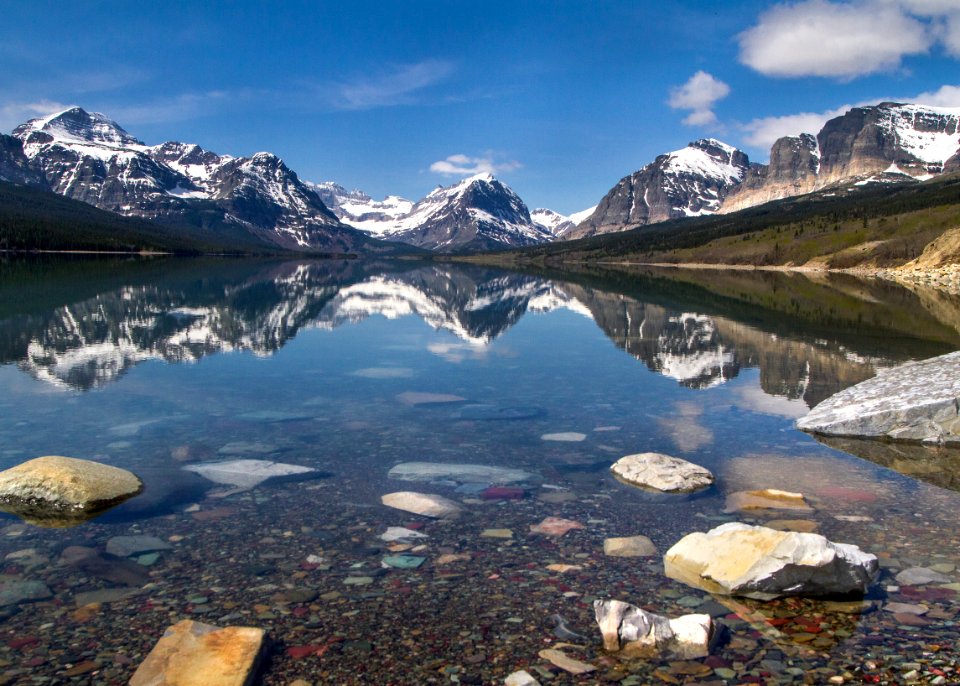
(809, 337)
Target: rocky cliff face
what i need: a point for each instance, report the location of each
(15, 166)
(689, 182)
(793, 169)
(87, 157)
(886, 143)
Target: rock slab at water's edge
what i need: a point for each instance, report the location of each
(917, 401)
(195, 654)
(426, 504)
(763, 563)
(662, 473)
(62, 491)
(636, 633)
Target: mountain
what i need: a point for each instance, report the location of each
(886, 143)
(689, 182)
(558, 224)
(478, 213)
(88, 157)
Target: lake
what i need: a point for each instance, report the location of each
(350, 368)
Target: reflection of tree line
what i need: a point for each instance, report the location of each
(185, 317)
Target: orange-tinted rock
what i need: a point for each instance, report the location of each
(195, 654)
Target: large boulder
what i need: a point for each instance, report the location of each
(64, 491)
(660, 472)
(917, 401)
(195, 654)
(762, 563)
(634, 632)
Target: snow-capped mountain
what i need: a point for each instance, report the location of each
(689, 182)
(359, 210)
(88, 157)
(478, 213)
(886, 143)
(558, 224)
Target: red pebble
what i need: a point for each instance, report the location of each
(415, 526)
(19, 643)
(502, 493)
(300, 652)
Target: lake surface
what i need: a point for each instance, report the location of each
(350, 368)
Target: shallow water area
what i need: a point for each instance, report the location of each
(349, 369)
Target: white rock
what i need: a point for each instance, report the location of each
(425, 504)
(916, 401)
(662, 473)
(469, 473)
(637, 633)
(246, 473)
(400, 533)
(521, 678)
(564, 437)
(763, 563)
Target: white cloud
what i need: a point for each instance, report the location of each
(15, 113)
(945, 96)
(763, 131)
(398, 86)
(834, 39)
(699, 94)
(462, 165)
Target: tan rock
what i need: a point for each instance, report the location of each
(762, 563)
(568, 664)
(629, 546)
(195, 654)
(560, 568)
(497, 533)
(766, 499)
(64, 491)
(555, 526)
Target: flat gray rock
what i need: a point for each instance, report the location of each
(462, 472)
(920, 576)
(917, 401)
(16, 592)
(662, 473)
(125, 546)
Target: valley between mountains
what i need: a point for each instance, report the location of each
(874, 187)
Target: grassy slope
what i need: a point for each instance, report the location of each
(879, 226)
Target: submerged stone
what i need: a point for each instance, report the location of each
(125, 546)
(661, 473)
(493, 413)
(766, 499)
(425, 504)
(195, 654)
(249, 473)
(403, 561)
(568, 664)
(915, 402)
(564, 437)
(414, 398)
(634, 632)
(629, 546)
(16, 592)
(555, 526)
(762, 563)
(471, 473)
(60, 491)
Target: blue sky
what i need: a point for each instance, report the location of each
(559, 99)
